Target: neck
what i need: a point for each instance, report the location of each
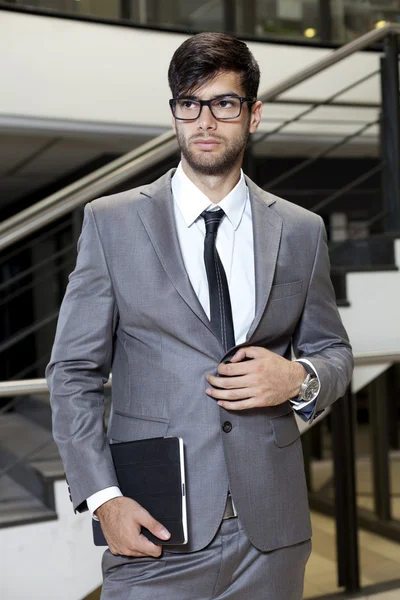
(215, 187)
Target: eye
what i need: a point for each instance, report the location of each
(226, 103)
(187, 104)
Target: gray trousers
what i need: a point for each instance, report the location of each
(229, 568)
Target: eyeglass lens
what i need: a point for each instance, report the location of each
(221, 108)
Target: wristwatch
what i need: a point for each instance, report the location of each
(309, 389)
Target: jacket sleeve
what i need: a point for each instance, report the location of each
(80, 365)
(320, 336)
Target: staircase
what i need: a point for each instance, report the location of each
(27, 490)
(33, 273)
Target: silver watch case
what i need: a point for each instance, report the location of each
(309, 389)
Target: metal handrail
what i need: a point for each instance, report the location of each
(336, 56)
(68, 262)
(25, 387)
(134, 163)
(39, 386)
(376, 358)
(322, 154)
(23, 333)
(65, 224)
(89, 187)
(38, 265)
(347, 188)
(312, 106)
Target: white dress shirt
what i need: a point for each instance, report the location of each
(235, 248)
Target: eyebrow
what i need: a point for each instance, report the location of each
(234, 94)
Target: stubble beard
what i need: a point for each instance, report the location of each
(206, 163)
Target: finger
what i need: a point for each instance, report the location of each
(230, 395)
(237, 369)
(147, 547)
(248, 352)
(238, 405)
(238, 356)
(125, 551)
(229, 383)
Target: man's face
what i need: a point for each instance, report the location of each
(210, 146)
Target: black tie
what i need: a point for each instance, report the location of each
(220, 302)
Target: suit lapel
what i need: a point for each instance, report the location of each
(267, 231)
(158, 219)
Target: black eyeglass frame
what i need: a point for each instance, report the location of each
(202, 103)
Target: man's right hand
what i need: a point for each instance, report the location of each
(121, 520)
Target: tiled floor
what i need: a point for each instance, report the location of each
(379, 557)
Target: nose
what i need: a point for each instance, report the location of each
(206, 120)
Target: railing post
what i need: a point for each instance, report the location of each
(325, 20)
(390, 132)
(394, 406)
(345, 493)
(378, 418)
(229, 16)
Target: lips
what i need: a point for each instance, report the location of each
(207, 143)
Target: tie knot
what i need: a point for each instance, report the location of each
(212, 219)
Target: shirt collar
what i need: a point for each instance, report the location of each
(191, 201)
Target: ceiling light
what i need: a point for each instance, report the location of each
(380, 24)
(310, 32)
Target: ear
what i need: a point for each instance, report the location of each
(256, 111)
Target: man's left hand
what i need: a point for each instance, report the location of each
(266, 380)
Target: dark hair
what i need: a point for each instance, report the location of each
(201, 57)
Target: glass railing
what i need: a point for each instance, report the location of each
(308, 21)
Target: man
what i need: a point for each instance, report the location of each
(200, 339)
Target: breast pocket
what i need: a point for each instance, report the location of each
(286, 290)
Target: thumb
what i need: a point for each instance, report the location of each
(155, 527)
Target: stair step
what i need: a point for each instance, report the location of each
(19, 507)
(35, 408)
(20, 436)
(27, 490)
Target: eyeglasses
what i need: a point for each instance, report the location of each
(222, 108)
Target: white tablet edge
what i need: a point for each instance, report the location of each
(184, 509)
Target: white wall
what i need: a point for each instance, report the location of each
(64, 69)
(373, 318)
(54, 560)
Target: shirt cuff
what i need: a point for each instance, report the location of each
(99, 498)
(300, 405)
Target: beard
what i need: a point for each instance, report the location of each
(206, 163)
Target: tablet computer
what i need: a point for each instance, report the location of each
(152, 472)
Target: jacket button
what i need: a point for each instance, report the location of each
(227, 426)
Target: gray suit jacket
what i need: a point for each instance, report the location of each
(130, 307)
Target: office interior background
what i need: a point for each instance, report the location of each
(84, 112)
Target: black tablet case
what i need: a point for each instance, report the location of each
(149, 471)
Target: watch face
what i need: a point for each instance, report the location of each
(311, 390)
